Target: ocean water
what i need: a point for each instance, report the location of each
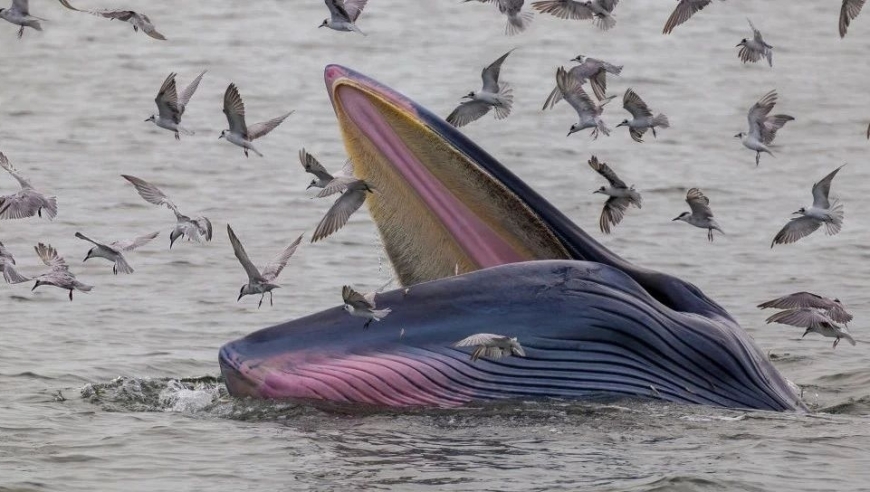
(118, 391)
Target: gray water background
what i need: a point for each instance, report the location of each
(72, 101)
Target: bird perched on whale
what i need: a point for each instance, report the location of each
(261, 281)
(763, 128)
(362, 305)
(824, 211)
(28, 201)
(137, 20)
(171, 105)
(194, 229)
(619, 196)
(239, 133)
(494, 95)
(343, 15)
(491, 346)
(19, 14)
(115, 250)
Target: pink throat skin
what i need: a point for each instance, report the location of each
(479, 241)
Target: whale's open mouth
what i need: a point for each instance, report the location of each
(599, 324)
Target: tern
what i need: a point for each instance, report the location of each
(642, 118)
(752, 50)
(588, 112)
(701, 215)
(763, 128)
(137, 20)
(28, 201)
(619, 196)
(239, 133)
(814, 321)
(823, 211)
(59, 276)
(684, 11)
(19, 14)
(494, 95)
(832, 308)
(491, 346)
(362, 305)
(518, 20)
(171, 105)
(194, 229)
(591, 69)
(322, 177)
(343, 15)
(261, 281)
(599, 10)
(115, 250)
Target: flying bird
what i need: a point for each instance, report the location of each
(814, 321)
(19, 14)
(239, 133)
(28, 201)
(137, 20)
(494, 95)
(171, 105)
(7, 267)
(518, 20)
(354, 192)
(322, 177)
(591, 69)
(752, 50)
(600, 11)
(362, 306)
(763, 128)
(848, 11)
(823, 211)
(684, 11)
(491, 346)
(832, 308)
(701, 215)
(588, 112)
(642, 118)
(194, 229)
(59, 275)
(343, 15)
(261, 281)
(115, 250)
(619, 196)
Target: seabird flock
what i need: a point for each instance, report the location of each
(815, 313)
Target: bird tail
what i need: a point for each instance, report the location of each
(849, 337)
(50, 207)
(35, 24)
(11, 275)
(185, 131)
(835, 212)
(82, 287)
(606, 100)
(635, 198)
(356, 29)
(518, 23)
(556, 96)
(605, 22)
(661, 121)
(379, 314)
(614, 69)
(121, 265)
(603, 128)
(770, 57)
(252, 149)
(505, 101)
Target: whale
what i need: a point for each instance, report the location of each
(477, 250)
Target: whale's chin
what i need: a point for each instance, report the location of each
(590, 323)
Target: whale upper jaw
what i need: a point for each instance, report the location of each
(445, 204)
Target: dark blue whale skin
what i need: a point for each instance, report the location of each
(590, 326)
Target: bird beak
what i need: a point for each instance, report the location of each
(220, 137)
(596, 191)
(739, 45)
(737, 136)
(149, 119)
(797, 212)
(240, 297)
(621, 124)
(86, 259)
(34, 287)
(309, 186)
(674, 219)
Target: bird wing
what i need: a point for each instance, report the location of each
(849, 10)
(758, 113)
(564, 9)
(136, 242)
(635, 105)
(346, 169)
(143, 22)
(699, 203)
(795, 229)
(150, 193)
(598, 82)
(95, 243)
(10, 274)
(603, 169)
(467, 112)
(799, 300)
(748, 55)
(337, 185)
(613, 212)
(26, 203)
(234, 109)
(338, 215)
(239, 250)
(203, 227)
(354, 8)
(608, 5)
(683, 12)
(337, 10)
(5, 164)
(22, 6)
(313, 166)
(491, 73)
(822, 189)
(801, 318)
(510, 7)
(354, 298)
(258, 130)
(479, 339)
(187, 93)
(167, 100)
(572, 91)
(274, 268)
(49, 256)
(771, 125)
(756, 34)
